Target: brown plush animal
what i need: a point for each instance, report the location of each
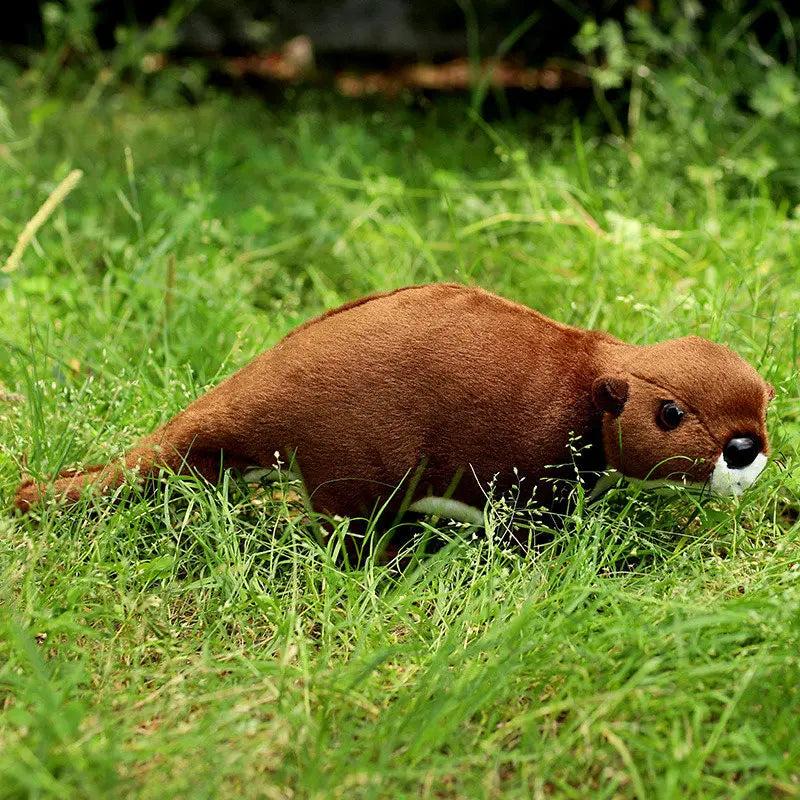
(441, 389)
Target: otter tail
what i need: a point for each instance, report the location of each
(180, 446)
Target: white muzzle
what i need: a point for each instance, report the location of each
(725, 480)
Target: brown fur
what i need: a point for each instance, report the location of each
(457, 380)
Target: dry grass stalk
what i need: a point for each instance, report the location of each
(40, 217)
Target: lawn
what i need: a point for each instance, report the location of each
(197, 643)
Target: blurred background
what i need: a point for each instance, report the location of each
(505, 50)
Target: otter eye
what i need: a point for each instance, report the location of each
(670, 415)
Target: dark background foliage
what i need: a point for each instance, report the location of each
(419, 29)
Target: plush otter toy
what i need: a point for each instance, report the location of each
(436, 391)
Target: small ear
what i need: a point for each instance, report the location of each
(770, 392)
(610, 393)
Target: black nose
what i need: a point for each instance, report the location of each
(741, 451)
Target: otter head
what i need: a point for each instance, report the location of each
(685, 410)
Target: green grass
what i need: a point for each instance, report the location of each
(198, 644)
